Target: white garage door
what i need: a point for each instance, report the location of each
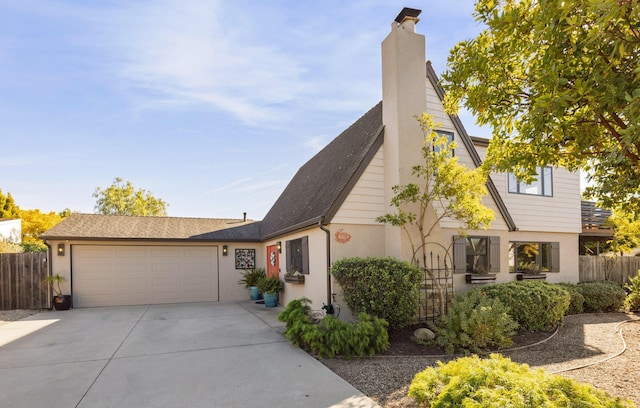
(105, 275)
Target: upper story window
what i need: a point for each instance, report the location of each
(448, 136)
(542, 186)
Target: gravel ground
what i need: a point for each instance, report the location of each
(587, 348)
(7, 316)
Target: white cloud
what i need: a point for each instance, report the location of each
(198, 53)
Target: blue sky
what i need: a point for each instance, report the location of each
(210, 105)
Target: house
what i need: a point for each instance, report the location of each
(11, 230)
(328, 211)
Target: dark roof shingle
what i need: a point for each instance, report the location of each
(321, 184)
(98, 226)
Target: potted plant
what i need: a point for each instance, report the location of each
(270, 286)
(60, 301)
(250, 279)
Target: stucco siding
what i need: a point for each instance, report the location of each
(366, 200)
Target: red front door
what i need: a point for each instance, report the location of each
(273, 261)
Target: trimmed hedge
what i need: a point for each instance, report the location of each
(602, 296)
(499, 382)
(383, 287)
(576, 302)
(535, 305)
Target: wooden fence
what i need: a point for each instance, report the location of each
(615, 269)
(21, 277)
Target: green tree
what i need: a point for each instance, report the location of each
(124, 199)
(8, 208)
(443, 186)
(559, 83)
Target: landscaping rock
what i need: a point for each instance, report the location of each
(424, 334)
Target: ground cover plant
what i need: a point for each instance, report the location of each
(498, 382)
(331, 336)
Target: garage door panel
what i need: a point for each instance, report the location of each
(133, 252)
(120, 275)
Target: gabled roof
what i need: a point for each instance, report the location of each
(322, 184)
(468, 143)
(113, 227)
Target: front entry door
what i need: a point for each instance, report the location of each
(273, 261)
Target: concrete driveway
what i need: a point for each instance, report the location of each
(179, 355)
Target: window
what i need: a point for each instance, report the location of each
(448, 136)
(476, 254)
(298, 255)
(534, 257)
(543, 185)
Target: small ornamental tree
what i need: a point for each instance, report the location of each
(441, 183)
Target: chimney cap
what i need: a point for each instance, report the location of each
(407, 13)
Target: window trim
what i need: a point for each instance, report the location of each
(547, 190)
(304, 248)
(451, 136)
(554, 248)
(460, 254)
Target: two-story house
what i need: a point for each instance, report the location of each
(328, 212)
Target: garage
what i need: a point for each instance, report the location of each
(118, 275)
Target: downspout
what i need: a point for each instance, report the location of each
(49, 267)
(328, 307)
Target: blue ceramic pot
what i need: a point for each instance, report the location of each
(254, 293)
(270, 299)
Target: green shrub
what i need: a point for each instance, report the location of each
(475, 322)
(333, 337)
(632, 301)
(383, 287)
(535, 305)
(576, 301)
(602, 296)
(499, 382)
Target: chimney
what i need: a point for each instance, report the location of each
(244, 217)
(404, 97)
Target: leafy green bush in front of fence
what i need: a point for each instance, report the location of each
(332, 337)
(535, 305)
(499, 382)
(602, 296)
(475, 322)
(576, 301)
(383, 287)
(632, 301)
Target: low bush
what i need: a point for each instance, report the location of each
(602, 296)
(632, 301)
(499, 382)
(332, 337)
(383, 287)
(576, 300)
(535, 305)
(475, 322)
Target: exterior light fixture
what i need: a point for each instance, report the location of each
(60, 249)
(279, 246)
(225, 250)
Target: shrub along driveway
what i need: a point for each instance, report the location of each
(192, 355)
